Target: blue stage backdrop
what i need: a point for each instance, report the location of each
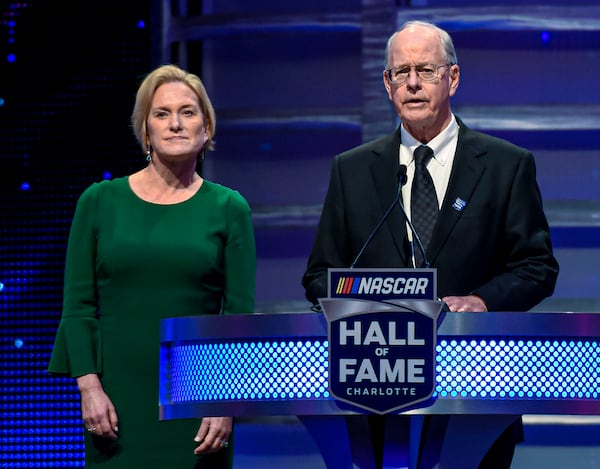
(67, 86)
(288, 97)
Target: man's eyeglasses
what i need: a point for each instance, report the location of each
(426, 72)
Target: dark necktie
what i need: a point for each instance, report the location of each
(423, 201)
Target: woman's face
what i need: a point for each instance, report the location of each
(175, 123)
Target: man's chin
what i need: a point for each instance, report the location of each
(416, 118)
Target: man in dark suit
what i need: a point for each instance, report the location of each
(491, 242)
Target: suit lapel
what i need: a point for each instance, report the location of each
(385, 165)
(466, 172)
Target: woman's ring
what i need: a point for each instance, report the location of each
(224, 443)
(91, 429)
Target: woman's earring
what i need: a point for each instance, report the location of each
(203, 154)
(148, 153)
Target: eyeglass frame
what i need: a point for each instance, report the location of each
(388, 72)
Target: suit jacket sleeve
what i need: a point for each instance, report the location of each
(526, 270)
(330, 245)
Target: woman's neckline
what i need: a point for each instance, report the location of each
(143, 191)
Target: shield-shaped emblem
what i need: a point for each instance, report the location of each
(382, 353)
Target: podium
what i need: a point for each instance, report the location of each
(494, 363)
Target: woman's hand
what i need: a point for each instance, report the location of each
(213, 434)
(98, 412)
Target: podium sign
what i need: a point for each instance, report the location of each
(383, 284)
(382, 328)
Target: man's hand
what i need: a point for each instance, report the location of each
(461, 304)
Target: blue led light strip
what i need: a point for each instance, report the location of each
(518, 369)
(475, 368)
(249, 371)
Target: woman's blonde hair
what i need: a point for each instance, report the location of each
(143, 101)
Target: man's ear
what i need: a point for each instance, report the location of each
(454, 74)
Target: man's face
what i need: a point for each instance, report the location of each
(423, 106)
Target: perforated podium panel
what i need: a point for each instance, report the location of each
(277, 364)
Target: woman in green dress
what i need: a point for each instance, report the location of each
(159, 243)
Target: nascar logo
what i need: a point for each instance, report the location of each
(382, 285)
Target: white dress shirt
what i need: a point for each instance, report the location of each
(440, 166)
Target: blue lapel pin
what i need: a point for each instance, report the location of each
(459, 204)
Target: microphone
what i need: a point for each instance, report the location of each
(402, 178)
(415, 235)
(397, 200)
(417, 238)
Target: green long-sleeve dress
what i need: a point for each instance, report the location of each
(129, 264)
